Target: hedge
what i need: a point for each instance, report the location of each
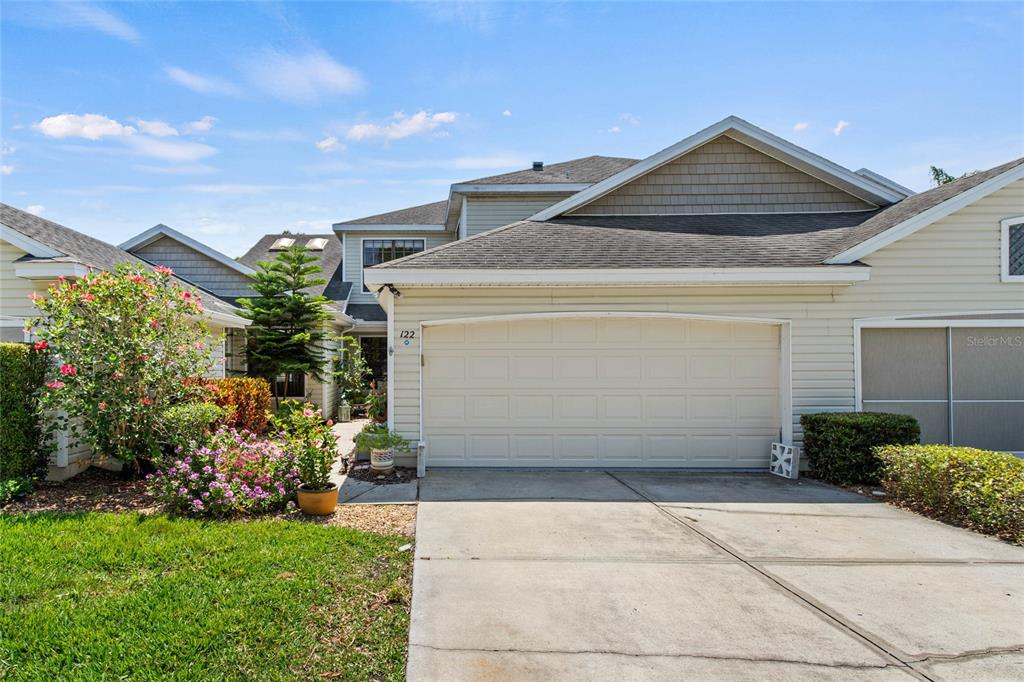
(22, 441)
(839, 445)
(250, 399)
(189, 424)
(978, 489)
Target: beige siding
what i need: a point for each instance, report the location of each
(950, 266)
(354, 256)
(723, 176)
(14, 290)
(487, 213)
(195, 267)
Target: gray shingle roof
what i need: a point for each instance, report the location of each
(336, 288)
(918, 203)
(424, 214)
(367, 312)
(681, 241)
(89, 251)
(588, 169)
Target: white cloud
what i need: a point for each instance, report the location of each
(615, 129)
(185, 169)
(87, 126)
(330, 144)
(168, 150)
(36, 209)
(6, 169)
(801, 126)
(204, 85)
(840, 127)
(203, 125)
(6, 149)
(401, 126)
(301, 78)
(156, 128)
(506, 113)
(86, 15)
(630, 119)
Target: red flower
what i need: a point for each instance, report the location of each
(103, 407)
(88, 298)
(67, 369)
(41, 345)
(185, 295)
(163, 270)
(56, 384)
(147, 401)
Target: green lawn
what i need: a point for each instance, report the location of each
(121, 596)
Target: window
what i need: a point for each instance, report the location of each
(375, 353)
(317, 244)
(377, 251)
(292, 385)
(282, 244)
(1012, 249)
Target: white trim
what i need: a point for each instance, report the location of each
(391, 227)
(785, 356)
(823, 275)
(1004, 249)
(227, 319)
(871, 191)
(462, 230)
(389, 308)
(362, 265)
(344, 265)
(157, 231)
(929, 216)
(885, 182)
(721, 213)
(27, 244)
(524, 188)
(49, 269)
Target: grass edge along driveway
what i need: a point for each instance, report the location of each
(93, 595)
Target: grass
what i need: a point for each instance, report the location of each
(125, 596)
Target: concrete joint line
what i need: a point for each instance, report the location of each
(788, 561)
(873, 641)
(977, 653)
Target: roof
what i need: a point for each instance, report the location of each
(77, 247)
(425, 214)
(330, 259)
(367, 312)
(918, 204)
(160, 230)
(588, 169)
(680, 241)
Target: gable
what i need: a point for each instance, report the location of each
(723, 176)
(195, 267)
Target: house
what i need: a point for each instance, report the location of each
(33, 253)
(685, 309)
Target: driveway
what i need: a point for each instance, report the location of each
(618, 576)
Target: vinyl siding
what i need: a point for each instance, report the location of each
(949, 266)
(195, 267)
(723, 176)
(14, 290)
(353, 256)
(486, 213)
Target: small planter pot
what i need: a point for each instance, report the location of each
(318, 502)
(382, 460)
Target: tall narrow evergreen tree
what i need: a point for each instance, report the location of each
(288, 331)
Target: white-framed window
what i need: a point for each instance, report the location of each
(377, 251)
(1011, 249)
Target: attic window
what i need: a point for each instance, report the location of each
(1012, 248)
(317, 244)
(282, 244)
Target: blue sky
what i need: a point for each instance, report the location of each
(230, 120)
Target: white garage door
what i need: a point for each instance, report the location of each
(600, 391)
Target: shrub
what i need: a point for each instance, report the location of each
(839, 445)
(22, 445)
(310, 441)
(364, 438)
(250, 399)
(979, 489)
(381, 439)
(377, 406)
(13, 488)
(190, 424)
(128, 343)
(236, 472)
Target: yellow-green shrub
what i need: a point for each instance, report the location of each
(250, 399)
(22, 447)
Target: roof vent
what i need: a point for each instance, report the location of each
(538, 165)
(282, 244)
(317, 244)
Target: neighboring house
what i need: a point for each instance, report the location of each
(33, 253)
(684, 310)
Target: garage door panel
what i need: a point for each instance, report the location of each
(489, 408)
(533, 369)
(577, 407)
(535, 332)
(577, 368)
(484, 370)
(538, 449)
(445, 409)
(664, 370)
(665, 408)
(486, 334)
(533, 408)
(623, 408)
(576, 331)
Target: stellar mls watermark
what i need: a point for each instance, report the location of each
(994, 341)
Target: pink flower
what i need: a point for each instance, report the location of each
(34, 296)
(307, 412)
(163, 270)
(56, 384)
(147, 400)
(68, 370)
(41, 345)
(103, 406)
(88, 298)
(154, 323)
(118, 375)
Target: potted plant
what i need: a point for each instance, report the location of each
(383, 445)
(314, 447)
(363, 440)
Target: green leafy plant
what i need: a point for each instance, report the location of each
(12, 489)
(130, 343)
(384, 439)
(350, 370)
(979, 489)
(288, 331)
(377, 406)
(365, 437)
(190, 425)
(839, 445)
(310, 441)
(22, 437)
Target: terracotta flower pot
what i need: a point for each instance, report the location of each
(318, 502)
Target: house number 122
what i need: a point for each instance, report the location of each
(407, 334)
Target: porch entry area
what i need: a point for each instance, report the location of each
(603, 390)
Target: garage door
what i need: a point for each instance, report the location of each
(602, 391)
(965, 385)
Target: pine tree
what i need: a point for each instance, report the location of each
(940, 176)
(288, 331)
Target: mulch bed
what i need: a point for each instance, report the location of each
(360, 471)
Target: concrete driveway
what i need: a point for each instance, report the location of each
(619, 576)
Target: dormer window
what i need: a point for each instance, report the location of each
(317, 244)
(282, 244)
(1012, 249)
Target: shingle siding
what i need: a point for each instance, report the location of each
(723, 176)
(195, 267)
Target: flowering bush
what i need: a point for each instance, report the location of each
(190, 424)
(310, 441)
(236, 471)
(250, 399)
(128, 343)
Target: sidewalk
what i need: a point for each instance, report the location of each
(351, 491)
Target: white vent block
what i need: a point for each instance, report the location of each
(317, 244)
(282, 243)
(785, 460)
